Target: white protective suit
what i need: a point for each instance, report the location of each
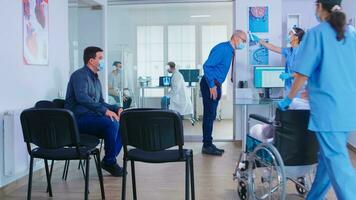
(179, 99)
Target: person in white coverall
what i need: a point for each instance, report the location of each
(177, 98)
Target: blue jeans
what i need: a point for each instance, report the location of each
(102, 127)
(334, 168)
(165, 102)
(209, 113)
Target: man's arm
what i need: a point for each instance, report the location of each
(215, 58)
(81, 86)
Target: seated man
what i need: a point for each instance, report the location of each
(95, 117)
(177, 98)
(115, 85)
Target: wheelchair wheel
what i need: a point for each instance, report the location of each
(242, 190)
(301, 189)
(266, 175)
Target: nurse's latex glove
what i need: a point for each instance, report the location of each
(253, 37)
(213, 93)
(285, 76)
(284, 104)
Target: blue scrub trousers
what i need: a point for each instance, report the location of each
(209, 113)
(102, 127)
(334, 168)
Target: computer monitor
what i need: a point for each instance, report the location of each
(190, 75)
(267, 77)
(164, 81)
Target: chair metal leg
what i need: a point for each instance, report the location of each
(48, 178)
(123, 191)
(101, 145)
(29, 190)
(187, 164)
(64, 170)
(50, 173)
(192, 177)
(81, 165)
(100, 174)
(133, 180)
(67, 169)
(86, 190)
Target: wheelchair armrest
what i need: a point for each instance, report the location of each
(261, 119)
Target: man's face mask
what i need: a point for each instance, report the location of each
(101, 65)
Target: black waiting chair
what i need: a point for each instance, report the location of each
(59, 103)
(55, 136)
(86, 140)
(150, 134)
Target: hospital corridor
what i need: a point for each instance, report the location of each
(178, 99)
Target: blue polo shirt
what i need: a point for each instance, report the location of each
(218, 63)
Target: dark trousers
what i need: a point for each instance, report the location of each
(209, 114)
(102, 127)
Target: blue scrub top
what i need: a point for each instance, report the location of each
(331, 68)
(289, 55)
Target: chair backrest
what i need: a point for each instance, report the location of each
(49, 128)
(45, 104)
(296, 144)
(59, 103)
(151, 129)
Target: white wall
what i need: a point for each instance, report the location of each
(22, 85)
(306, 10)
(244, 72)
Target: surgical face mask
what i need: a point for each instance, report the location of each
(101, 65)
(240, 46)
(288, 38)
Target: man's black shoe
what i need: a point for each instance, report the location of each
(210, 150)
(114, 170)
(221, 150)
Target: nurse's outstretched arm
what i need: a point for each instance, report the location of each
(271, 47)
(299, 81)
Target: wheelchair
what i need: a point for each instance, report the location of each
(263, 168)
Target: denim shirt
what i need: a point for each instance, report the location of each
(84, 94)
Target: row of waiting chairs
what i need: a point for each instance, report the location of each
(148, 135)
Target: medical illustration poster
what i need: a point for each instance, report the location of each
(258, 19)
(35, 32)
(258, 54)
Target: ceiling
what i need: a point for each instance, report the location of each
(82, 3)
(123, 2)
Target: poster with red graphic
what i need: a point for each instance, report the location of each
(258, 19)
(35, 32)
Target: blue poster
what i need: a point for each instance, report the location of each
(258, 54)
(258, 19)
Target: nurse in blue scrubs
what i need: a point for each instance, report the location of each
(294, 38)
(327, 59)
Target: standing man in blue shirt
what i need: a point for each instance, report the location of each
(95, 117)
(216, 68)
